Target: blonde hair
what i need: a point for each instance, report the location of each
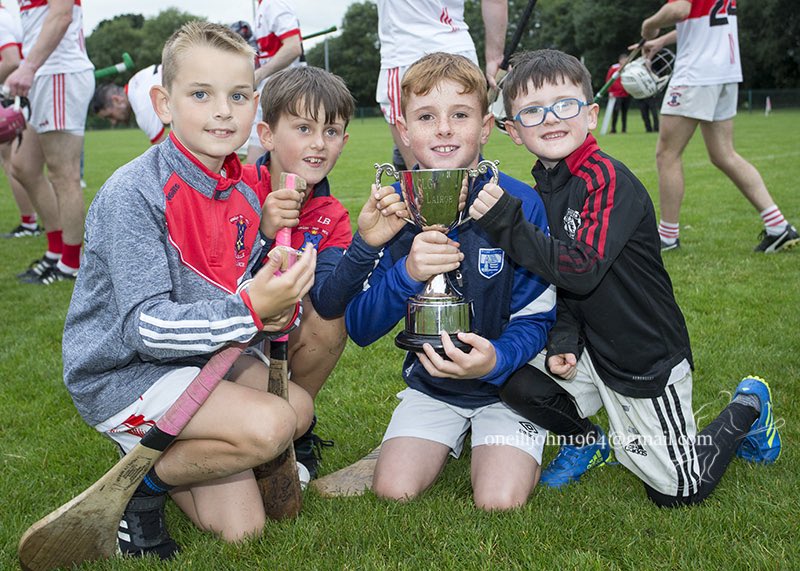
(429, 71)
(198, 33)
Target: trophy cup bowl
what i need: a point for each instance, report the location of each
(435, 199)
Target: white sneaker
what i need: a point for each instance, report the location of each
(303, 475)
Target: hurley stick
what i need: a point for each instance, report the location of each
(85, 528)
(277, 479)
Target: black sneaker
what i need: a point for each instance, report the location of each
(37, 268)
(308, 449)
(667, 247)
(52, 275)
(23, 232)
(789, 238)
(143, 530)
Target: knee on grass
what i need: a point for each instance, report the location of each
(268, 434)
(492, 500)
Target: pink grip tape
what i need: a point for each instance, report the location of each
(183, 409)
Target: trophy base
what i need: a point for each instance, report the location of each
(414, 342)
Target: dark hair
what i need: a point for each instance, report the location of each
(544, 66)
(311, 87)
(102, 96)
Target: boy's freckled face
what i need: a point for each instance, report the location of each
(303, 145)
(212, 103)
(555, 138)
(445, 128)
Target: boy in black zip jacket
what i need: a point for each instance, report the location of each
(620, 339)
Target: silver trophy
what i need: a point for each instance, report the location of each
(436, 199)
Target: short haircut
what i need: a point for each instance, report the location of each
(198, 33)
(102, 96)
(313, 88)
(429, 71)
(544, 66)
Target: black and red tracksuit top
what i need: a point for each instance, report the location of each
(615, 297)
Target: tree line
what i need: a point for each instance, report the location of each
(595, 31)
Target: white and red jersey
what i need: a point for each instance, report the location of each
(138, 90)
(70, 54)
(10, 31)
(275, 21)
(409, 30)
(708, 45)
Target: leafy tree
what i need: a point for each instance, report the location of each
(142, 38)
(355, 54)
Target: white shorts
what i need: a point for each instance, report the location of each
(652, 437)
(701, 102)
(127, 427)
(421, 416)
(60, 102)
(387, 94)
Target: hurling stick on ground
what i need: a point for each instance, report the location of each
(277, 479)
(85, 528)
(512, 47)
(352, 480)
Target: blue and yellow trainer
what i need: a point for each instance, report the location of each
(763, 443)
(572, 462)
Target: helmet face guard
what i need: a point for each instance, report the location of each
(645, 78)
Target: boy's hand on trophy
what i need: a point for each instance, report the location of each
(432, 252)
(489, 195)
(382, 216)
(460, 365)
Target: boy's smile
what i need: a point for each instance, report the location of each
(445, 128)
(554, 139)
(302, 145)
(210, 112)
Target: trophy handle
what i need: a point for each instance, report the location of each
(482, 168)
(486, 166)
(389, 169)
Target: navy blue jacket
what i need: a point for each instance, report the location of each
(513, 308)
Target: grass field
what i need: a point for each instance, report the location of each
(743, 313)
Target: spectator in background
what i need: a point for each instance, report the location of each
(649, 108)
(280, 45)
(704, 91)
(622, 99)
(10, 57)
(409, 30)
(58, 78)
(117, 103)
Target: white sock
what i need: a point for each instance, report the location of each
(668, 232)
(774, 222)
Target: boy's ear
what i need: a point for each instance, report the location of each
(593, 113)
(486, 128)
(511, 129)
(265, 136)
(160, 100)
(402, 129)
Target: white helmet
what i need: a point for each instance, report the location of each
(644, 78)
(498, 108)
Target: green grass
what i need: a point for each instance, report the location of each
(742, 310)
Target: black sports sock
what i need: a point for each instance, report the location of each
(152, 485)
(715, 447)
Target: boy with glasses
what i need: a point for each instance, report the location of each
(620, 340)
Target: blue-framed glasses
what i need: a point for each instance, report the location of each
(536, 114)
